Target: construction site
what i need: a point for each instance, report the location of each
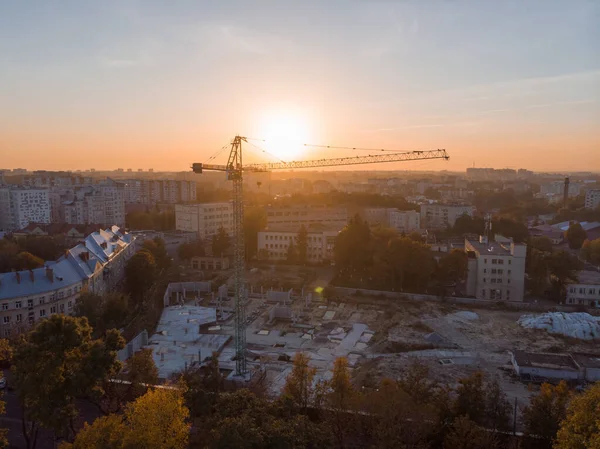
(257, 319)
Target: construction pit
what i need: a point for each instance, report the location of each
(381, 337)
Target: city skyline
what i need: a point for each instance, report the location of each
(161, 86)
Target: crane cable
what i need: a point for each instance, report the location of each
(333, 147)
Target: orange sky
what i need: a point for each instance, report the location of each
(160, 86)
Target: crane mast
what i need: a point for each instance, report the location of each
(234, 170)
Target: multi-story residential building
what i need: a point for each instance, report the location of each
(496, 270)
(405, 220)
(274, 244)
(154, 191)
(592, 199)
(402, 220)
(97, 264)
(293, 217)
(586, 291)
(43, 178)
(441, 216)
(102, 203)
(204, 219)
(558, 188)
(19, 206)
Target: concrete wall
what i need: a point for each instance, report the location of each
(549, 373)
(137, 343)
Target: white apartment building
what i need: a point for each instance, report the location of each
(153, 191)
(404, 221)
(496, 270)
(97, 264)
(293, 217)
(102, 204)
(586, 291)
(274, 244)
(441, 216)
(204, 219)
(19, 206)
(592, 199)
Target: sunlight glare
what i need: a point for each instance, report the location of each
(284, 137)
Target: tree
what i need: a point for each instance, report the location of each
(537, 267)
(27, 261)
(255, 220)
(191, 249)
(302, 244)
(89, 305)
(590, 251)
(141, 371)
(563, 268)
(292, 253)
(482, 401)
(575, 235)
(432, 193)
(115, 309)
(299, 384)
(466, 434)
(220, 242)
(158, 249)
(465, 224)
(352, 250)
(545, 412)
(340, 401)
(156, 420)
(8, 253)
(5, 355)
(140, 272)
(57, 362)
(203, 385)
(581, 428)
(541, 243)
(453, 266)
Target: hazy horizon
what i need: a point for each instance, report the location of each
(150, 84)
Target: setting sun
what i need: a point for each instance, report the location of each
(285, 136)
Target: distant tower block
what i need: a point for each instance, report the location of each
(566, 193)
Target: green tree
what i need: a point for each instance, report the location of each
(8, 253)
(575, 235)
(302, 245)
(341, 400)
(220, 242)
(541, 243)
(292, 253)
(482, 401)
(89, 305)
(563, 268)
(352, 250)
(191, 249)
(255, 220)
(465, 224)
(115, 310)
(453, 266)
(27, 261)
(141, 371)
(156, 420)
(466, 434)
(140, 272)
(157, 248)
(581, 428)
(5, 356)
(545, 412)
(57, 362)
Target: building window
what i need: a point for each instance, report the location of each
(19, 318)
(493, 271)
(62, 308)
(53, 309)
(500, 261)
(500, 271)
(484, 260)
(43, 312)
(494, 261)
(30, 303)
(5, 306)
(484, 270)
(484, 280)
(69, 305)
(6, 319)
(509, 261)
(483, 293)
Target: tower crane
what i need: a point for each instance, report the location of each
(234, 170)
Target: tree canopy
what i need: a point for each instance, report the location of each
(140, 272)
(57, 362)
(220, 242)
(575, 235)
(581, 427)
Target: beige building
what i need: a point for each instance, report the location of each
(204, 219)
(402, 220)
(441, 216)
(274, 244)
(97, 264)
(496, 270)
(586, 291)
(293, 217)
(592, 199)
